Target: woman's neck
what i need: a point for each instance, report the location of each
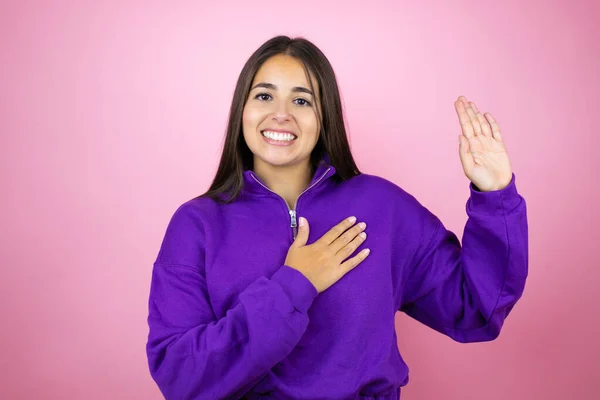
(287, 181)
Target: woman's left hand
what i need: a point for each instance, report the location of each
(482, 152)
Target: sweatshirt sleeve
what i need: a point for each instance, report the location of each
(193, 355)
(467, 293)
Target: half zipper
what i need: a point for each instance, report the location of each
(292, 212)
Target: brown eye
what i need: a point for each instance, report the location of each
(304, 102)
(261, 96)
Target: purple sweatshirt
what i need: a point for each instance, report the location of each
(229, 320)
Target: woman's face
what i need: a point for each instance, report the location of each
(279, 108)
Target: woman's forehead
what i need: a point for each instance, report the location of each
(285, 72)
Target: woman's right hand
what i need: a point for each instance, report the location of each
(322, 262)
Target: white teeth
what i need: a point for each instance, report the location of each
(285, 137)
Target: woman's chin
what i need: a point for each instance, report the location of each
(279, 160)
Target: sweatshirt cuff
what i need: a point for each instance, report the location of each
(495, 201)
(299, 289)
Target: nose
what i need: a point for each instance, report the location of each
(281, 113)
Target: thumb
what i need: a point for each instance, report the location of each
(302, 236)
(464, 151)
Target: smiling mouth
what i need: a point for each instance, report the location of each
(278, 136)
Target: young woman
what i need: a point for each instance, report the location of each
(247, 301)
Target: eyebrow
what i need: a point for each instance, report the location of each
(274, 87)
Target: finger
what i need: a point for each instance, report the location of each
(346, 237)
(473, 117)
(354, 261)
(336, 231)
(351, 236)
(302, 236)
(494, 125)
(465, 121)
(485, 126)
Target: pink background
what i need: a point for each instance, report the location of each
(113, 114)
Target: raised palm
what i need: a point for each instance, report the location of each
(482, 152)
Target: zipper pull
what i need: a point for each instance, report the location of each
(293, 223)
(293, 218)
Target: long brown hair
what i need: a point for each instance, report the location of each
(237, 157)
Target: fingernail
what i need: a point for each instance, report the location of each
(302, 221)
(352, 219)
